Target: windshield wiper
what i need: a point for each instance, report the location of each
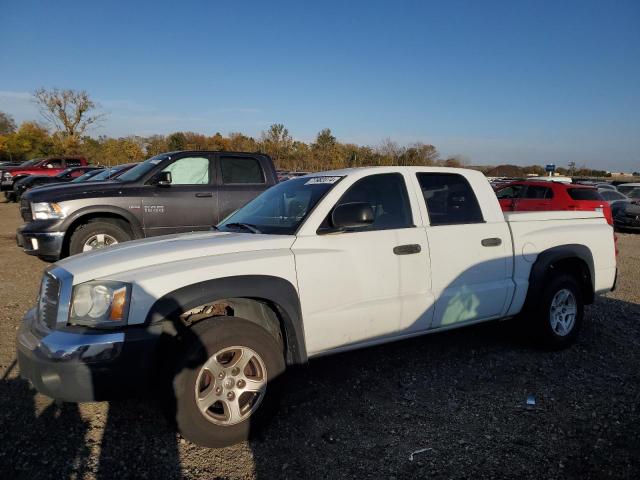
(246, 226)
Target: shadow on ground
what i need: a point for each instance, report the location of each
(457, 399)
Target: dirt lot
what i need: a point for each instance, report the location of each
(459, 395)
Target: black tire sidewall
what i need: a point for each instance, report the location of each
(210, 336)
(542, 315)
(83, 232)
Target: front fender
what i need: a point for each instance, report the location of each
(278, 292)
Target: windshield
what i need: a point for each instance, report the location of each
(28, 163)
(625, 189)
(142, 169)
(107, 173)
(281, 209)
(87, 176)
(635, 193)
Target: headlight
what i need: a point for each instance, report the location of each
(100, 304)
(7, 175)
(46, 211)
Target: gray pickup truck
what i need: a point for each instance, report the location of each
(173, 192)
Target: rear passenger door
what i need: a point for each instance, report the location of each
(470, 255)
(534, 198)
(241, 179)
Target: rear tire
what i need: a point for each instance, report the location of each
(207, 372)
(97, 234)
(557, 318)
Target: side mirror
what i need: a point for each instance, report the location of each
(352, 215)
(162, 179)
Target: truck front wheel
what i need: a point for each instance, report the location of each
(558, 316)
(97, 234)
(228, 381)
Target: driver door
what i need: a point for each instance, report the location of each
(187, 204)
(365, 285)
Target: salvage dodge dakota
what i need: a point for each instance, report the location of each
(319, 264)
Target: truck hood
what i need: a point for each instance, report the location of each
(166, 249)
(70, 191)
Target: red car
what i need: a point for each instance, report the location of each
(526, 196)
(49, 166)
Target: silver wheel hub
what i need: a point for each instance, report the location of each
(99, 240)
(563, 312)
(231, 385)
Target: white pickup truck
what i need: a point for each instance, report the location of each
(319, 264)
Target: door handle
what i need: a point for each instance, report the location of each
(407, 249)
(491, 242)
(204, 194)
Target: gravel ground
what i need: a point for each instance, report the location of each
(458, 399)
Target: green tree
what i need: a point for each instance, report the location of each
(7, 124)
(277, 143)
(176, 141)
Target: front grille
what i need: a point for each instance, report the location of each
(48, 300)
(25, 210)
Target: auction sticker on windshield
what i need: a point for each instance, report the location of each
(319, 180)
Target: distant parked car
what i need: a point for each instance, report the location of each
(605, 186)
(626, 188)
(535, 196)
(627, 216)
(49, 166)
(174, 192)
(32, 181)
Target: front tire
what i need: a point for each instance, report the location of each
(558, 317)
(97, 234)
(228, 381)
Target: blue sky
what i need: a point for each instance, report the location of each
(503, 81)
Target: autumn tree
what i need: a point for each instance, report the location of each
(69, 112)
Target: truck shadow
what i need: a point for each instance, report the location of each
(459, 394)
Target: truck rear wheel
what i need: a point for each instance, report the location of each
(558, 316)
(97, 234)
(228, 381)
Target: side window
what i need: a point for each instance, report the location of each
(450, 199)
(241, 170)
(387, 195)
(513, 191)
(73, 162)
(538, 193)
(54, 163)
(189, 171)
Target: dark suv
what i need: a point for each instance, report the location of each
(173, 192)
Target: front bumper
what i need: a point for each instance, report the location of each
(86, 364)
(43, 244)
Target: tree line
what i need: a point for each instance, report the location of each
(69, 114)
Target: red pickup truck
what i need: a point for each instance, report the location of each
(42, 166)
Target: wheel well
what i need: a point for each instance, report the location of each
(256, 310)
(93, 217)
(578, 269)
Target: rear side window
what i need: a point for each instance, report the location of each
(53, 163)
(73, 162)
(386, 193)
(450, 199)
(512, 191)
(538, 193)
(241, 170)
(584, 194)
